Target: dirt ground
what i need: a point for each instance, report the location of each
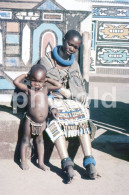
(114, 178)
(110, 149)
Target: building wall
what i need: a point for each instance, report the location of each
(110, 37)
(29, 29)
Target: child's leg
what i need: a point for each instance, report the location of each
(40, 151)
(25, 144)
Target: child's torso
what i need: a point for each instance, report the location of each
(37, 108)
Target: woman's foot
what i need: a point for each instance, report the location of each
(43, 167)
(24, 166)
(70, 174)
(91, 171)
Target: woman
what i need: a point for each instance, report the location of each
(73, 116)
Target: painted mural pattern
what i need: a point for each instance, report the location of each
(111, 12)
(110, 38)
(27, 34)
(112, 56)
(23, 31)
(113, 31)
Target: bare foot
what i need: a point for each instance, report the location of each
(24, 166)
(43, 167)
(91, 172)
(70, 174)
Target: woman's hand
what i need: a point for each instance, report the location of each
(54, 112)
(82, 97)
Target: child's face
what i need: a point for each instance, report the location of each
(37, 80)
(70, 46)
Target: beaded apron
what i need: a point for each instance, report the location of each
(72, 120)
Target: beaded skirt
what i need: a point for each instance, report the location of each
(72, 120)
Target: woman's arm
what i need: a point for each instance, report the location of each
(55, 84)
(17, 82)
(65, 92)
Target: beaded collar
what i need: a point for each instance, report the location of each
(61, 60)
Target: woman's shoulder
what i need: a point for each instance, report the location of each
(75, 66)
(46, 60)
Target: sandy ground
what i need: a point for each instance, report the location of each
(110, 149)
(114, 178)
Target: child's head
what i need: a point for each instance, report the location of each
(37, 76)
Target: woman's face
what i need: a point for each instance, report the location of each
(70, 46)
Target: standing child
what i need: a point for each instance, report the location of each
(37, 110)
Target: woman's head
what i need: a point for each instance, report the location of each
(71, 42)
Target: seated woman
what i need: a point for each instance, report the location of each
(70, 101)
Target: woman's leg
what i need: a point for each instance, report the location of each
(88, 162)
(25, 144)
(85, 142)
(60, 144)
(66, 162)
(40, 151)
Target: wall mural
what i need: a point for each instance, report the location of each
(111, 31)
(110, 38)
(27, 34)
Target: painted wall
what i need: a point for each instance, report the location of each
(110, 37)
(29, 29)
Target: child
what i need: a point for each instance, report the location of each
(37, 110)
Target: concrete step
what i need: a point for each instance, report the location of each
(108, 140)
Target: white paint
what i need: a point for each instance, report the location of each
(15, 74)
(5, 98)
(83, 5)
(30, 13)
(27, 18)
(109, 4)
(111, 19)
(86, 24)
(1, 49)
(26, 44)
(23, 13)
(48, 49)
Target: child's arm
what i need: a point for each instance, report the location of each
(55, 84)
(17, 82)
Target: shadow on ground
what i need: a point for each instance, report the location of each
(116, 122)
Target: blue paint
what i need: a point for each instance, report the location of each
(127, 13)
(110, 56)
(12, 39)
(111, 43)
(97, 13)
(93, 36)
(36, 38)
(48, 5)
(5, 84)
(12, 61)
(119, 17)
(5, 15)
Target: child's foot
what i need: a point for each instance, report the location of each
(43, 167)
(24, 166)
